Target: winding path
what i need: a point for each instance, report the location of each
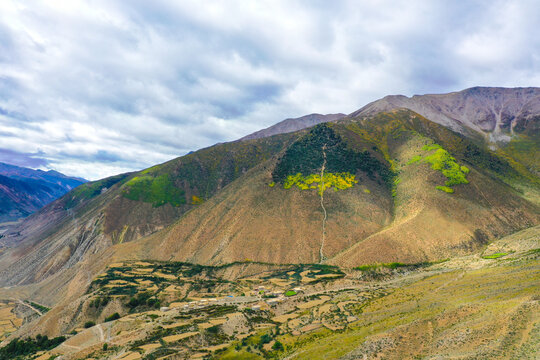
(28, 306)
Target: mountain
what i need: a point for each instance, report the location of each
(216, 205)
(24, 191)
(124, 208)
(378, 190)
(495, 113)
(294, 124)
(235, 201)
(386, 200)
(505, 118)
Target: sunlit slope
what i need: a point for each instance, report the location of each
(251, 220)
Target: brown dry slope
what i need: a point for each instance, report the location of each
(122, 208)
(252, 220)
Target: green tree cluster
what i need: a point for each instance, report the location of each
(18, 347)
(306, 156)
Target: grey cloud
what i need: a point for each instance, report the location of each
(22, 159)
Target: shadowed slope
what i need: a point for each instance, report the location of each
(24, 191)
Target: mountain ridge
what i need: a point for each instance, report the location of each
(494, 112)
(293, 124)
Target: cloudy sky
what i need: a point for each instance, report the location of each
(95, 88)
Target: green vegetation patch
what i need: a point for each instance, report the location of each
(92, 189)
(494, 256)
(112, 317)
(397, 265)
(100, 302)
(414, 159)
(18, 348)
(441, 160)
(290, 293)
(307, 155)
(195, 200)
(158, 190)
(395, 183)
(144, 300)
(446, 189)
(41, 308)
(339, 181)
(89, 324)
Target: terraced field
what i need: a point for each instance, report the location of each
(473, 307)
(9, 321)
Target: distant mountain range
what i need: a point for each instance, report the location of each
(24, 191)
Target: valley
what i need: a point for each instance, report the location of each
(383, 234)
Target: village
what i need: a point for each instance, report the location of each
(148, 308)
(259, 298)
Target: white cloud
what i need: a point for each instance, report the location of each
(96, 88)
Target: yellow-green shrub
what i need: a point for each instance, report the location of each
(338, 181)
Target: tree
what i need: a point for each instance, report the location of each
(278, 346)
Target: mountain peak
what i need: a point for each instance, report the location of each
(496, 113)
(293, 124)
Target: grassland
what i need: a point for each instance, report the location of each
(92, 189)
(159, 190)
(441, 160)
